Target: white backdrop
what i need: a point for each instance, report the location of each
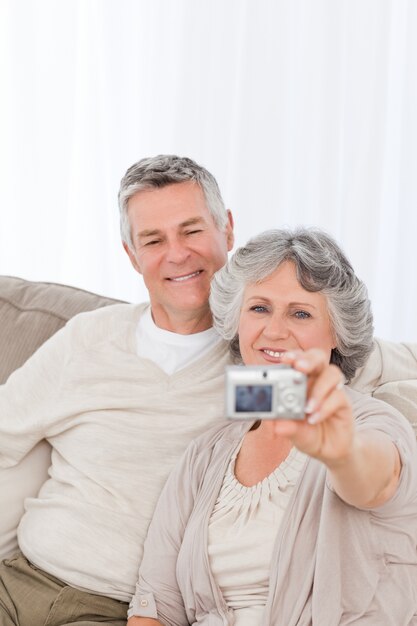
(304, 110)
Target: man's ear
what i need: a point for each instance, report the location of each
(132, 256)
(230, 236)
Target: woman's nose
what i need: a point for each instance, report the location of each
(276, 328)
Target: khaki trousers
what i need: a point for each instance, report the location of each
(30, 597)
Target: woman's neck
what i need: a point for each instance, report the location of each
(261, 452)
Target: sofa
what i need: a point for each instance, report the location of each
(30, 313)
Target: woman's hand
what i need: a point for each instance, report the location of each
(327, 433)
(365, 466)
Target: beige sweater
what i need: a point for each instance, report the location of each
(117, 424)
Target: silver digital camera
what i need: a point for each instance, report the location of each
(271, 392)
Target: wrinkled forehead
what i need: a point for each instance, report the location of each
(171, 205)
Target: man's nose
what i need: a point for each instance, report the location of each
(177, 252)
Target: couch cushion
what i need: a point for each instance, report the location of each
(30, 312)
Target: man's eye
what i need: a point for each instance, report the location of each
(152, 243)
(302, 315)
(193, 232)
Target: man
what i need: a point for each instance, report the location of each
(119, 393)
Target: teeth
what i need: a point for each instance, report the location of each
(181, 278)
(276, 355)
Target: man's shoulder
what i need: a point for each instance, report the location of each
(379, 414)
(112, 314)
(103, 324)
(390, 374)
(388, 362)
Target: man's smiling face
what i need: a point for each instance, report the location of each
(177, 247)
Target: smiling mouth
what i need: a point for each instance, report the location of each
(274, 354)
(181, 279)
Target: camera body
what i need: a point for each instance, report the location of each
(265, 392)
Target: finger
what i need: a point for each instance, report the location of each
(306, 437)
(335, 405)
(306, 362)
(311, 362)
(288, 428)
(330, 379)
(290, 356)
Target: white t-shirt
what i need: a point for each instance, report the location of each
(171, 351)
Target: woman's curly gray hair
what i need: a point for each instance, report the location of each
(320, 266)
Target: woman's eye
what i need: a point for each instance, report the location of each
(302, 315)
(259, 308)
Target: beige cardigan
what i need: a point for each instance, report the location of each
(332, 564)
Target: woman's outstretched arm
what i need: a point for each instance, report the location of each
(364, 464)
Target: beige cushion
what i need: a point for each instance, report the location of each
(30, 312)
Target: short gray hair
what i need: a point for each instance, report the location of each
(321, 266)
(160, 171)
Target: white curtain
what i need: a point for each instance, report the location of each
(304, 110)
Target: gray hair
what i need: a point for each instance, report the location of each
(160, 171)
(321, 266)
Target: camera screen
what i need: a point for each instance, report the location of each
(253, 398)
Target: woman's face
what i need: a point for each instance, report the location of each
(278, 315)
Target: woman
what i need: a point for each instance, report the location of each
(279, 522)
